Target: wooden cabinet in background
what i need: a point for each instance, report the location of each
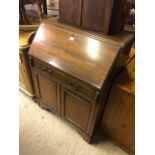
(119, 117)
(25, 80)
(72, 71)
(102, 15)
(70, 11)
(98, 15)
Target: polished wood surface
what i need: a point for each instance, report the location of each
(121, 39)
(119, 117)
(76, 69)
(70, 11)
(79, 57)
(69, 81)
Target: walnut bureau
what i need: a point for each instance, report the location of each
(72, 70)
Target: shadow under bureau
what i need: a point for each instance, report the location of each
(72, 72)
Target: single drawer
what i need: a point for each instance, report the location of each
(66, 80)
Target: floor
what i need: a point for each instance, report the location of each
(43, 133)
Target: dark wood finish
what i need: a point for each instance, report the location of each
(70, 11)
(119, 117)
(79, 58)
(122, 39)
(46, 91)
(72, 106)
(102, 15)
(44, 2)
(98, 15)
(81, 66)
(69, 81)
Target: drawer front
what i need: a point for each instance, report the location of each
(69, 82)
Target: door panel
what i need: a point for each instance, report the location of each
(46, 91)
(102, 15)
(75, 109)
(70, 11)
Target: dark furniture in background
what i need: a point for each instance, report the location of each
(72, 71)
(70, 11)
(118, 120)
(42, 9)
(100, 15)
(128, 18)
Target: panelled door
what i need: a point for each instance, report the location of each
(75, 109)
(47, 90)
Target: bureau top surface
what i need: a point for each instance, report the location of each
(82, 56)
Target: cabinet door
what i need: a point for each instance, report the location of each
(101, 15)
(70, 11)
(46, 90)
(75, 109)
(119, 118)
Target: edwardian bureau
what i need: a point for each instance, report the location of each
(72, 70)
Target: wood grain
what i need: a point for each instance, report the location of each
(118, 120)
(102, 15)
(80, 58)
(76, 69)
(70, 11)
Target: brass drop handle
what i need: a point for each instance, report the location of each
(44, 69)
(49, 71)
(74, 86)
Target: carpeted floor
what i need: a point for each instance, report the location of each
(43, 133)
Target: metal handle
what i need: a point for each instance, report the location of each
(49, 71)
(46, 70)
(74, 86)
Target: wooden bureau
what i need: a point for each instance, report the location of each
(72, 71)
